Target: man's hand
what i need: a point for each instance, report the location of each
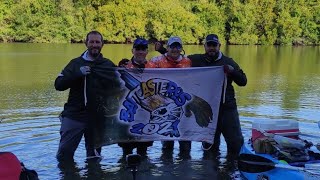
(228, 69)
(123, 62)
(157, 46)
(85, 70)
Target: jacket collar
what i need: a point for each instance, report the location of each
(86, 57)
(210, 59)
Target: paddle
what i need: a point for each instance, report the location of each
(252, 163)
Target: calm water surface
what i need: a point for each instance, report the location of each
(283, 83)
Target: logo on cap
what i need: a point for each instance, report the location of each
(212, 38)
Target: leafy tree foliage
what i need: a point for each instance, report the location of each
(241, 22)
(283, 22)
(212, 19)
(5, 12)
(265, 28)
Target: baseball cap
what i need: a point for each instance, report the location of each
(212, 38)
(174, 39)
(140, 42)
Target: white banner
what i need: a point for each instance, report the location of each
(166, 104)
(172, 104)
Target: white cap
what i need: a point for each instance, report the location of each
(174, 39)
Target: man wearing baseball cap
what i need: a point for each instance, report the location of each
(173, 59)
(139, 51)
(138, 60)
(228, 120)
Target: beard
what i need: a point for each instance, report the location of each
(212, 53)
(94, 52)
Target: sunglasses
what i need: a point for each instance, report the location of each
(175, 45)
(212, 44)
(140, 48)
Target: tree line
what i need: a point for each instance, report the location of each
(248, 22)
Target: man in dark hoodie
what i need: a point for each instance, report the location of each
(76, 120)
(228, 120)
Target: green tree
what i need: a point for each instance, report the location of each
(265, 18)
(240, 25)
(170, 18)
(5, 30)
(307, 13)
(235, 21)
(72, 20)
(110, 22)
(32, 21)
(212, 19)
(288, 28)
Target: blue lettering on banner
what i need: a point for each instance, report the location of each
(167, 128)
(151, 95)
(136, 129)
(127, 114)
(176, 93)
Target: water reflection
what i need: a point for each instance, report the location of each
(168, 166)
(283, 83)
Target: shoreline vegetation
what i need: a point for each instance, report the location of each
(236, 22)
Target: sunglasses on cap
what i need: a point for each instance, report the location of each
(213, 44)
(175, 45)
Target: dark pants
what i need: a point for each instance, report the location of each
(71, 133)
(229, 126)
(183, 145)
(142, 147)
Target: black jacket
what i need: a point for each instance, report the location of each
(71, 77)
(237, 76)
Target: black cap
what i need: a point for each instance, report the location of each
(212, 38)
(140, 42)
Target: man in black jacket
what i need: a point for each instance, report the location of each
(76, 120)
(228, 119)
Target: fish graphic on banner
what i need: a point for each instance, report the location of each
(163, 104)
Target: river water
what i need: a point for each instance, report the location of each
(283, 83)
